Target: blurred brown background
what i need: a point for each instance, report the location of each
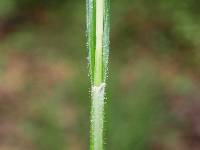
(153, 99)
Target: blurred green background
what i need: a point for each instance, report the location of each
(153, 99)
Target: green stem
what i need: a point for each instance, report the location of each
(97, 116)
(98, 75)
(98, 45)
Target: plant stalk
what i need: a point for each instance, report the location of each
(98, 45)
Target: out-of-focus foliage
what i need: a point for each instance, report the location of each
(153, 91)
(6, 7)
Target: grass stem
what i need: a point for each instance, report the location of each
(98, 46)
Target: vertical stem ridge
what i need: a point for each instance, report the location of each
(99, 42)
(98, 87)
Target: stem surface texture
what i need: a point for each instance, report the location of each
(98, 47)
